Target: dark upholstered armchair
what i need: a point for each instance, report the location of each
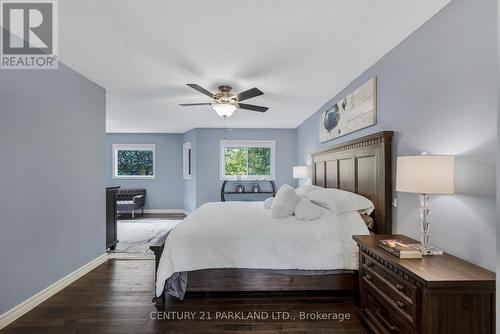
(130, 200)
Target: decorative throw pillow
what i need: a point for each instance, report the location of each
(306, 210)
(306, 189)
(340, 201)
(284, 202)
(268, 203)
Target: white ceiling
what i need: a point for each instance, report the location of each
(299, 53)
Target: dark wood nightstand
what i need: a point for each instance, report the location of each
(436, 294)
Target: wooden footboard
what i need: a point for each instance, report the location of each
(260, 280)
(256, 280)
(157, 246)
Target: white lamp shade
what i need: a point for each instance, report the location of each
(300, 172)
(426, 174)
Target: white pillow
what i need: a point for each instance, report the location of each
(306, 189)
(284, 202)
(268, 203)
(306, 210)
(340, 201)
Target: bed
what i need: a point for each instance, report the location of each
(235, 246)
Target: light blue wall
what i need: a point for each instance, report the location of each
(52, 197)
(166, 189)
(205, 186)
(437, 90)
(498, 170)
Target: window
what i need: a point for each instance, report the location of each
(186, 160)
(134, 161)
(247, 160)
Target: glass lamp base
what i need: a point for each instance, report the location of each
(430, 250)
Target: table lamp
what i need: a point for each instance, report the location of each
(300, 172)
(424, 175)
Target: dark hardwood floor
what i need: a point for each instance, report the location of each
(116, 298)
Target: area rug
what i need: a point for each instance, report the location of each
(134, 236)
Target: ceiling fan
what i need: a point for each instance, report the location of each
(225, 102)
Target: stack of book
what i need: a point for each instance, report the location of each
(401, 249)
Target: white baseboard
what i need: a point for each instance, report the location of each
(30, 303)
(174, 211)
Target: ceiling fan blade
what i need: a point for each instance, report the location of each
(194, 104)
(248, 94)
(201, 90)
(253, 107)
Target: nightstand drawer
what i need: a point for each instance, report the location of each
(398, 293)
(399, 284)
(379, 316)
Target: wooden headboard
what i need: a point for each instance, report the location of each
(362, 166)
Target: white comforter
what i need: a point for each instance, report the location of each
(243, 235)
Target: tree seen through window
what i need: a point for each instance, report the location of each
(135, 162)
(251, 161)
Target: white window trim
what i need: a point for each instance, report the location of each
(186, 147)
(134, 147)
(247, 143)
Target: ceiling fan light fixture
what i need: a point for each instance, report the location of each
(225, 103)
(224, 109)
